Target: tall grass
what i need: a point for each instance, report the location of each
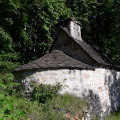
(114, 116)
(43, 104)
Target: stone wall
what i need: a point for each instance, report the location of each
(75, 30)
(100, 87)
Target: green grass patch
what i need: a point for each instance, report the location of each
(114, 116)
(61, 107)
(43, 104)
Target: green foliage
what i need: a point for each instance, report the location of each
(27, 27)
(7, 54)
(57, 108)
(112, 48)
(8, 98)
(8, 110)
(47, 105)
(31, 24)
(5, 42)
(64, 103)
(26, 31)
(6, 62)
(42, 93)
(114, 116)
(100, 23)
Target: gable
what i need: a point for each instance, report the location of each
(64, 43)
(81, 50)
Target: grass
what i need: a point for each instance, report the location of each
(114, 116)
(43, 104)
(62, 107)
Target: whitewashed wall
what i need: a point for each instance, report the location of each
(101, 87)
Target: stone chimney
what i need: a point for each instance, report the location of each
(72, 26)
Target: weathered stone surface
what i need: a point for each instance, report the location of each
(100, 87)
(87, 76)
(75, 30)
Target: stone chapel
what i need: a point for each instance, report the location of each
(82, 67)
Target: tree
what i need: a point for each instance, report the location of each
(100, 23)
(31, 24)
(7, 54)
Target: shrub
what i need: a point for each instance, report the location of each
(43, 93)
(9, 108)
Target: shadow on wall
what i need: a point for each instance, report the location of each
(95, 104)
(112, 81)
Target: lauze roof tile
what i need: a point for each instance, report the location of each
(54, 59)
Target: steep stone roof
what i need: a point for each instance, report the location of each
(54, 59)
(92, 52)
(59, 59)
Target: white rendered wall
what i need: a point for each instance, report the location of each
(103, 85)
(75, 30)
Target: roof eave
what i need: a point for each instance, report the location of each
(71, 68)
